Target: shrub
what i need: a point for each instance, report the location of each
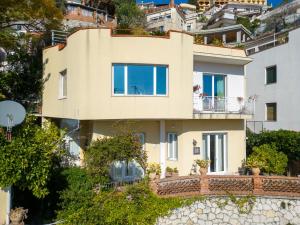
(103, 152)
(269, 159)
(154, 168)
(286, 141)
(135, 205)
(202, 163)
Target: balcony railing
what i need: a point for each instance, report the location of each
(209, 104)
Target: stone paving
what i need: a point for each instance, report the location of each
(222, 211)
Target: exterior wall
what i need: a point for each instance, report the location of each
(3, 206)
(210, 211)
(285, 92)
(187, 131)
(89, 71)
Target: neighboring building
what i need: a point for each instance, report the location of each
(226, 15)
(205, 5)
(185, 101)
(229, 36)
(273, 77)
(171, 17)
(79, 14)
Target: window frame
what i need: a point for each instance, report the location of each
(266, 111)
(266, 75)
(126, 80)
(63, 78)
(175, 152)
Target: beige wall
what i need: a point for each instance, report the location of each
(187, 130)
(88, 58)
(3, 206)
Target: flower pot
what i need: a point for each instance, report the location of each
(255, 171)
(17, 216)
(203, 171)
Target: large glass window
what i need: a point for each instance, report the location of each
(271, 75)
(134, 79)
(140, 80)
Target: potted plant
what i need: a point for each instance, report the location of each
(17, 216)
(153, 171)
(170, 172)
(203, 164)
(255, 164)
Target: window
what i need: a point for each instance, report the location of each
(161, 29)
(188, 28)
(63, 84)
(271, 75)
(134, 79)
(172, 146)
(271, 111)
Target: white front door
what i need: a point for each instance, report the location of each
(214, 149)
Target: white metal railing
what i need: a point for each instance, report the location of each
(209, 104)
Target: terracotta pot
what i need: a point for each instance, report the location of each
(203, 171)
(17, 216)
(255, 171)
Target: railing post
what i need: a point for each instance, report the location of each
(257, 185)
(204, 184)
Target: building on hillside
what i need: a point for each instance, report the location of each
(184, 103)
(226, 15)
(230, 36)
(205, 5)
(273, 77)
(172, 17)
(79, 14)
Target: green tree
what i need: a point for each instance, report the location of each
(103, 152)
(128, 14)
(251, 26)
(286, 141)
(27, 161)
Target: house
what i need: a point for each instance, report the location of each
(181, 17)
(185, 101)
(273, 77)
(205, 5)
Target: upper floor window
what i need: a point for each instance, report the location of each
(271, 75)
(134, 79)
(271, 111)
(63, 84)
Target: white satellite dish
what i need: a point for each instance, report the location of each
(11, 113)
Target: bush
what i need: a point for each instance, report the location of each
(103, 152)
(268, 159)
(286, 141)
(135, 205)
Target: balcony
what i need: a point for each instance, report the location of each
(223, 106)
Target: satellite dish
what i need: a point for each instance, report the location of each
(11, 113)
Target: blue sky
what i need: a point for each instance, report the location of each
(274, 2)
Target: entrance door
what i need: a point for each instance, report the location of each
(213, 92)
(214, 149)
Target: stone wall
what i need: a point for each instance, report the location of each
(223, 211)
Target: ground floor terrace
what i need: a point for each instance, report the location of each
(170, 143)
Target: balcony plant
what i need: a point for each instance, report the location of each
(203, 164)
(171, 172)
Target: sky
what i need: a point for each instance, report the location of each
(274, 2)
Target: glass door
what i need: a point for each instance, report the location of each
(214, 92)
(214, 149)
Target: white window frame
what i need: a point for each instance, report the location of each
(174, 155)
(63, 76)
(154, 81)
(209, 134)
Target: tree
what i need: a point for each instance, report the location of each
(21, 79)
(251, 26)
(128, 14)
(27, 161)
